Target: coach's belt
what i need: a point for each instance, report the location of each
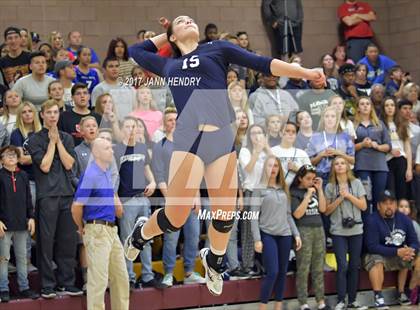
(101, 222)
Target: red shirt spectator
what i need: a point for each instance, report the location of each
(356, 26)
(356, 17)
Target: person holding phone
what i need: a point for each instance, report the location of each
(345, 200)
(307, 204)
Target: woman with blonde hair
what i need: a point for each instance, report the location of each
(55, 38)
(241, 127)
(145, 109)
(26, 40)
(274, 230)
(11, 104)
(328, 142)
(27, 123)
(345, 202)
(105, 107)
(239, 98)
(411, 93)
(346, 124)
(372, 144)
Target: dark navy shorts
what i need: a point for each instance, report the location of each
(208, 145)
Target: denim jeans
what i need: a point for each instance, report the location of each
(133, 208)
(347, 277)
(191, 231)
(19, 244)
(276, 251)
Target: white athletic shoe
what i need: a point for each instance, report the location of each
(214, 280)
(130, 251)
(194, 278)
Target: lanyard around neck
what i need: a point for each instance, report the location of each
(275, 98)
(326, 141)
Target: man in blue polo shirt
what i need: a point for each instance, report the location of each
(95, 204)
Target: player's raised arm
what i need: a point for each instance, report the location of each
(236, 55)
(281, 68)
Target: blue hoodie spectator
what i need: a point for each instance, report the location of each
(377, 72)
(385, 236)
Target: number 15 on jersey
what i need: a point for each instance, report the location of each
(192, 62)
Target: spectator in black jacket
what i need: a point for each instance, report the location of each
(16, 217)
(275, 13)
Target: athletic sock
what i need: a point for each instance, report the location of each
(215, 261)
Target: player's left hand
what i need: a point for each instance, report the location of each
(317, 77)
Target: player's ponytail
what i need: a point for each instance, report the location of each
(175, 50)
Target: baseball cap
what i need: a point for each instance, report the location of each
(35, 37)
(387, 195)
(346, 68)
(11, 30)
(61, 65)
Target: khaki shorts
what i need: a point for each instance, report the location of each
(390, 263)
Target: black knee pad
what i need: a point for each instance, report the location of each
(164, 223)
(223, 226)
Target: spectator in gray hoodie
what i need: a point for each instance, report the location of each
(270, 99)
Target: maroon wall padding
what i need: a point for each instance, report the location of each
(184, 296)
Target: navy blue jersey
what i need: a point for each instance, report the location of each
(198, 79)
(91, 79)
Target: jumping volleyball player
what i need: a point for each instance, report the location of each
(203, 139)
